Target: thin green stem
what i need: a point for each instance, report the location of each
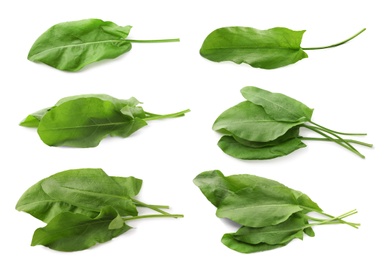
(336, 44)
(342, 142)
(328, 140)
(154, 216)
(335, 135)
(330, 216)
(139, 203)
(155, 117)
(156, 206)
(154, 41)
(334, 220)
(336, 132)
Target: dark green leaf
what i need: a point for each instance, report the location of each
(259, 206)
(277, 234)
(246, 248)
(84, 122)
(267, 49)
(233, 148)
(214, 186)
(250, 122)
(72, 45)
(74, 232)
(278, 106)
(37, 203)
(309, 231)
(89, 189)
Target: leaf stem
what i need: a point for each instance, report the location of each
(156, 206)
(336, 132)
(338, 140)
(154, 216)
(155, 117)
(154, 41)
(342, 142)
(334, 220)
(153, 207)
(336, 44)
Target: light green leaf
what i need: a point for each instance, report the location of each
(278, 106)
(250, 122)
(89, 189)
(267, 49)
(259, 206)
(84, 122)
(72, 45)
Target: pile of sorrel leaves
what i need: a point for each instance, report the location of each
(84, 207)
(84, 120)
(267, 125)
(270, 214)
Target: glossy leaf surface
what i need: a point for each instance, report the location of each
(278, 106)
(267, 49)
(74, 232)
(72, 45)
(90, 189)
(250, 122)
(84, 122)
(230, 146)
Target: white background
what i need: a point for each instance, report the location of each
(344, 85)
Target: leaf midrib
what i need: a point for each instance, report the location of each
(76, 45)
(252, 48)
(259, 206)
(85, 126)
(93, 193)
(285, 109)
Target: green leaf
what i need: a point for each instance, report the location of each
(267, 49)
(118, 103)
(277, 234)
(72, 45)
(230, 146)
(250, 122)
(74, 232)
(259, 206)
(214, 186)
(84, 122)
(306, 201)
(246, 248)
(290, 134)
(37, 203)
(89, 189)
(278, 106)
(131, 185)
(33, 119)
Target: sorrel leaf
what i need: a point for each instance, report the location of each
(74, 232)
(231, 147)
(245, 118)
(90, 189)
(70, 46)
(267, 49)
(278, 106)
